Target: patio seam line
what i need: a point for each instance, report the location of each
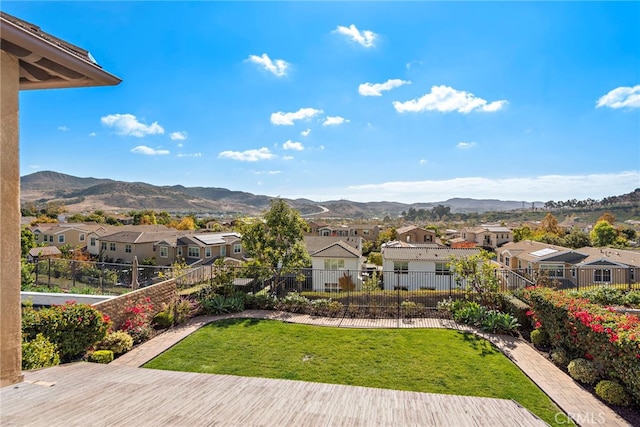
(573, 404)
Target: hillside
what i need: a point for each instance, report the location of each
(88, 194)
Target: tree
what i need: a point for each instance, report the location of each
(375, 258)
(27, 241)
(276, 244)
(522, 233)
(476, 274)
(550, 225)
(607, 216)
(603, 234)
(577, 239)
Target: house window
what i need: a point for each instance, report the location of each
(127, 248)
(92, 242)
(333, 264)
(193, 252)
(37, 237)
(164, 251)
(501, 258)
(519, 264)
(507, 261)
(51, 239)
(223, 251)
(602, 275)
(180, 251)
(442, 269)
(61, 238)
(103, 246)
(207, 252)
(237, 248)
(552, 270)
(82, 237)
(112, 247)
(632, 274)
(365, 232)
(401, 267)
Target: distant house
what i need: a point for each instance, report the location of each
(528, 258)
(205, 248)
(123, 246)
(606, 266)
(366, 231)
(490, 236)
(414, 234)
(70, 235)
(314, 227)
(420, 266)
(336, 263)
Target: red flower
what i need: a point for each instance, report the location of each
(588, 356)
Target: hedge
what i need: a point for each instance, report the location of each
(584, 329)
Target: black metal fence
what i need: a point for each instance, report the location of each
(89, 277)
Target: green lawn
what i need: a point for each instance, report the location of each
(425, 360)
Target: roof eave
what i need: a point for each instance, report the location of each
(92, 74)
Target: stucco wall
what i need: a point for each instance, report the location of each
(10, 332)
(158, 294)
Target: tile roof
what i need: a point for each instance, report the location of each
(618, 256)
(425, 253)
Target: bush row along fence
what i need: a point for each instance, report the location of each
(403, 294)
(95, 277)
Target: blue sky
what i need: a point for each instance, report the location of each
(366, 101)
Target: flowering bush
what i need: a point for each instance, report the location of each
(138, 321)
(591, 331)
(71, 327)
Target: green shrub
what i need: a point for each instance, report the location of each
(583, 370)
(118, 342)
(631, 298)
(73, 328)
(220, 304)
(101, 356)
(260, 302)
(517, 308)
(184, 309)
(604, 295)
(163, 319)
(140, 334)
(294, 303)
(612, 392)
(539, 338)
(39, 353)
(471, 313)
(559, 357)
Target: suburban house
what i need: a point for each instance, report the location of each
(70, 235)
(366, 231)
(203, 248)
(529, 258)
(94, 246)
(418, 267)
(605, 266)
(123, 246)
(315, 226)
(414, 234)
(488, 235)
(336, 263)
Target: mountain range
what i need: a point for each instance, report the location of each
(89, 194)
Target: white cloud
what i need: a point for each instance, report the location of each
(178, 136)
(376, 89)
(365, 38)
(466, 145)
(540, 188)
(412, 63)
(287, 119)
(148, 151)
(267, 172)
(63, 128)
(128, 124)
(287, 158)
(305, 132)
(447, 99)
(623, 96)
(180, 144)
(422, 162)
(334, 121)
(278, 67)
(92, 134)
(190, 155)
(291, 145)
(248, 155)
